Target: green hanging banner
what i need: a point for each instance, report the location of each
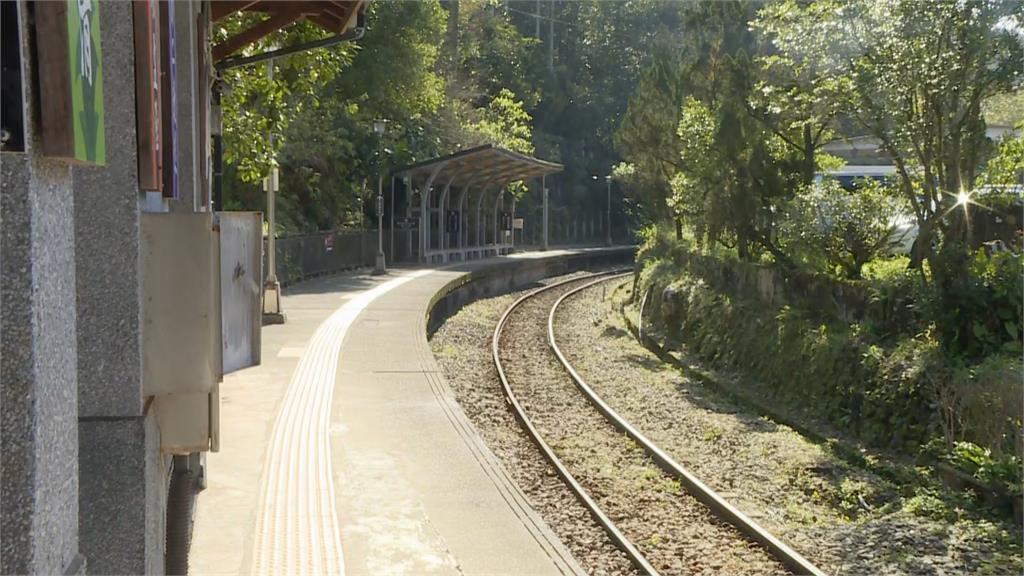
(86, 68)
(70, 80)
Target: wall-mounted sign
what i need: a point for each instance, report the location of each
(169, 96)
(146, 22)
(71, 80)
(407, 223)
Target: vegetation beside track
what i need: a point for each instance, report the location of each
(894, 389)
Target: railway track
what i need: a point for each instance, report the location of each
(692, 530)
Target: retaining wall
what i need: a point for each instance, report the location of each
(514, 274)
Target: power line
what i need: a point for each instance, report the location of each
(539, 17)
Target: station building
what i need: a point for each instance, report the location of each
(124, 295)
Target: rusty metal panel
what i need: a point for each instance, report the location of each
(181, 304)
(241, 279)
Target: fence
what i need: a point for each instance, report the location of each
(307, 255)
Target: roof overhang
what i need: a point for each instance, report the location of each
(479, 166)
(334, 16)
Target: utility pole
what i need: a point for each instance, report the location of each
(536, 20)
(551, 36)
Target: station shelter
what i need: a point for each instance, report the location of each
(458, 207)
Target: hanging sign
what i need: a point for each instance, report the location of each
(146, 22)
(71, 80)
(169, 100)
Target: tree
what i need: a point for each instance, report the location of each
(255, 106)
(645, 139)
(721, 154)
(914, 75)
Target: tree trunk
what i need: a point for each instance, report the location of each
(808, 164)
(679, 229)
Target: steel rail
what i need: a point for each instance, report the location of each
(790, 558)
(617, 537)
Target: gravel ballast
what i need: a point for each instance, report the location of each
(843, 518)
(462, 348)
(673, 530)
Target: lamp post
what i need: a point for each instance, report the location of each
(379, 127)
(272, 313)
(608, 216)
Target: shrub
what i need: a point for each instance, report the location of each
(982, 304)
(836, 229)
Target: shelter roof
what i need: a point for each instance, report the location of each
(480, 165)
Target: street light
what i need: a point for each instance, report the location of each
(608, 217)
(379, 127)
(272, 313)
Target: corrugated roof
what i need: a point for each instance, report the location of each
(479, 166)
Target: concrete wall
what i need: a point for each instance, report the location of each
(123, 496)
(513, 274)
(38, 434)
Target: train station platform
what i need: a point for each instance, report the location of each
(345, 451)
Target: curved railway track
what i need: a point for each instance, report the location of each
(741, 529)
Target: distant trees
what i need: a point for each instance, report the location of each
(915, 75)
(729, 125)
(320, 106)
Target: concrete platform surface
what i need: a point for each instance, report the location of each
(345, 452)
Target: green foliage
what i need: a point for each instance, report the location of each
(320, 107)
(1005, 109)
(927, 503)
(913, 75)
(896, 390)
(982, 311)
(1006, 167)
(1002, 470)
(255, 106)
(832, 228)
(506, 123)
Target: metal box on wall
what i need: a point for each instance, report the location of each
(241, 281)
(182, 359)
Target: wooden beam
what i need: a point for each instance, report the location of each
(353, 13)
(327, 22)
(242, 39)
(223, 8)
(319, 12)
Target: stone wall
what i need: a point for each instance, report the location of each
(832, 298)
(38, 433)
